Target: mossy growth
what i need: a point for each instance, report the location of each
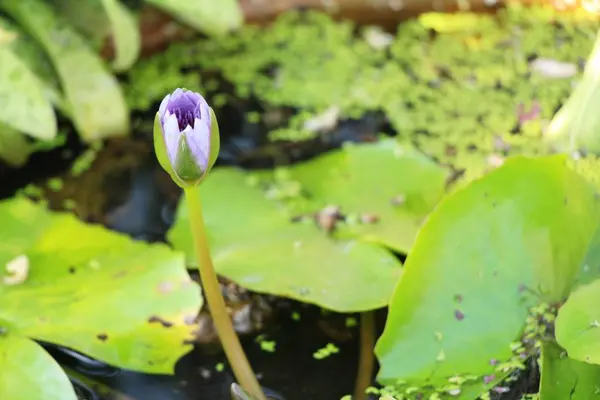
(460, 87)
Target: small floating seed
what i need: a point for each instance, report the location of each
(369, 218)
(398, 200)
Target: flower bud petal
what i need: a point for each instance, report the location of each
(186, 137)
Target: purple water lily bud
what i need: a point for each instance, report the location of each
(186, 137)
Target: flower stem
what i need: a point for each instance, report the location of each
(366, 359)
(212, 292)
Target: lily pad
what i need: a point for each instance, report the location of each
(463, 296)
(93, 93)
(394, 186)
(28, 372)
(255, 243)
(208, 16)
(23, 104)
(578, 324)
(125, 302)
(565, 378)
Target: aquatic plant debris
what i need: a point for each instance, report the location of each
(454, 94)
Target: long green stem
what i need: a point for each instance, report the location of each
(212, 292)
(366, 359)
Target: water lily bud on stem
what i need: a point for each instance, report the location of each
(186, 137)
(186, 142)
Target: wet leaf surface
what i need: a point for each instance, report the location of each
(255, 243)
(465, 290)
(386, 187)
(565, 378)
(127, 303)
(28, 372)
(91, 91)
(578, 324)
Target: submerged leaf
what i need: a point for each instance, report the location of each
(255, 243)
(22, 101)
(565, 378)
(28, 372)
(14, 147)
(212, 17)
(467, 284)
(127, 303)
(94, 96)
(388, 188)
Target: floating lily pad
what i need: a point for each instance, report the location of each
(565, 378)
(93, 93)
(254, 242)
(125, 302)
(28, 372)
(389, 189)
(212, 17)
(22, 101)
(463, 296)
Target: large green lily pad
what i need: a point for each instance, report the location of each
(565, 378)
(28, 372)
(93, 93)
(393, 183)
(254, 242)
(462, 298)
(125, 302)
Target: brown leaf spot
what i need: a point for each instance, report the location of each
(119, 274)
(72, 270)
(155, 319)
(459, 315)
(102, 337)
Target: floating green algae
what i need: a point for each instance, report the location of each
(463, 88)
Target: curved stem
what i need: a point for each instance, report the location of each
(212, 292)
(366, 359)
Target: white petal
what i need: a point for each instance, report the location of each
(199, 143)
(172, 135)
(163, 106)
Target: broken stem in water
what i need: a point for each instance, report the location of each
(366, 359)
(212, 292)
